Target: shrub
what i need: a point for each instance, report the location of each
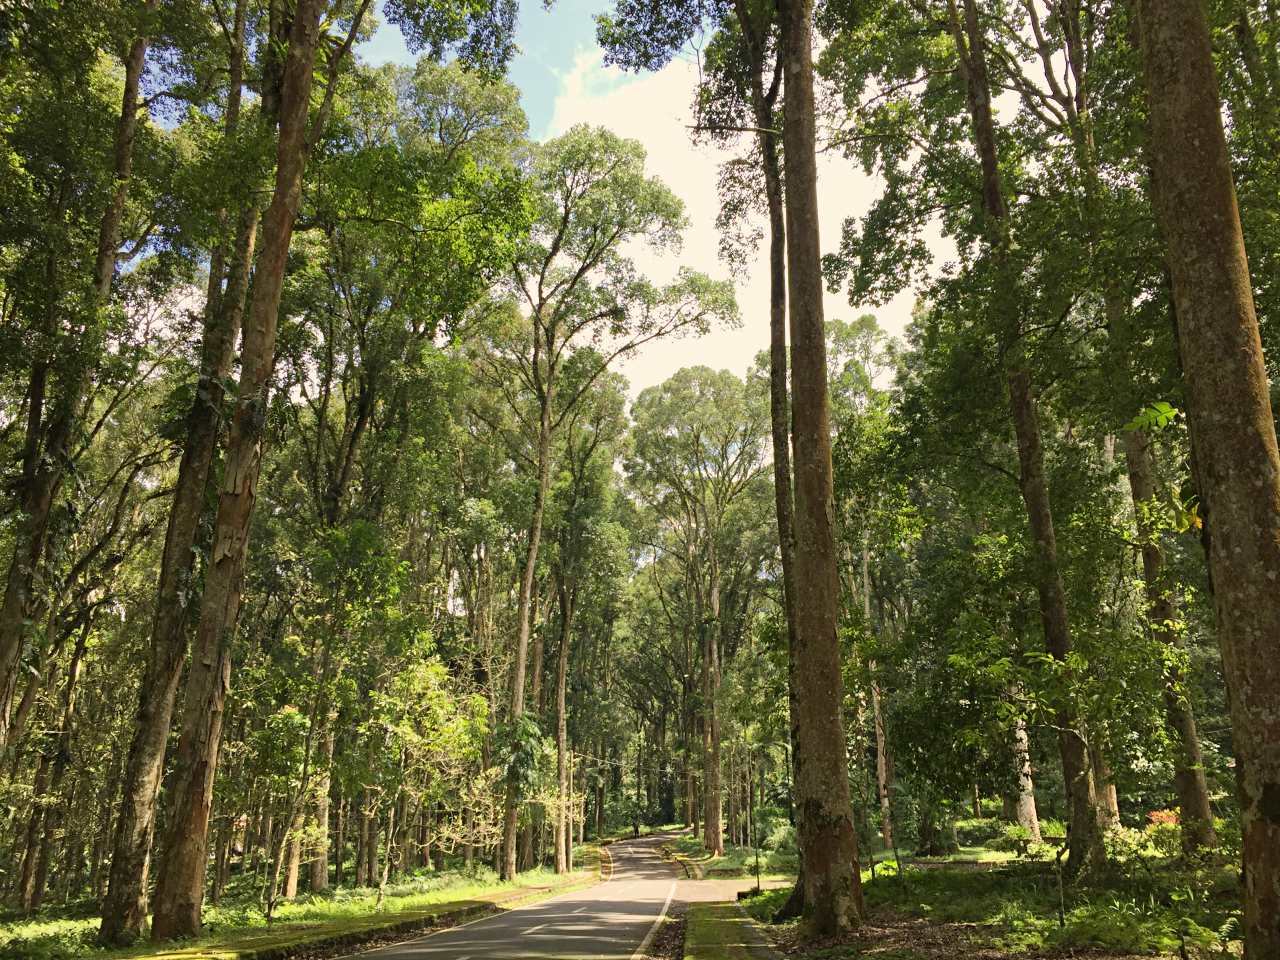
(976, 832)
(781, 838)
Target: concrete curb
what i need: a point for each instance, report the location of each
(347, 943)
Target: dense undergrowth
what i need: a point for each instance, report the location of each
(1147, 902)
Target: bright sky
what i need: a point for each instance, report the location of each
(563, 81)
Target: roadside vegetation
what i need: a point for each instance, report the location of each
(238, 925)
(345, 573)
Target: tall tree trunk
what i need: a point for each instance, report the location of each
(43, 471)
(564, 828)
(511, 810)
(31, 840)
(828, 842)
(55, 814)
(1104, 783)
(1024, 805)
(180, 887)
(125, 909)
(1231, 422)
(293, 855)
(713, 829)
(319, 866)
(1086, 848)
(884, 760)
(1162, 613)
(763, 102)
(1085, 833)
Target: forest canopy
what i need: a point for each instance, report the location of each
(346, 573)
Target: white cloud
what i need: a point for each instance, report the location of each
(655, 108)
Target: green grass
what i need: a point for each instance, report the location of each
(239, 929)
(1156, 908)
(737, 861)
(1019, 904)
(718, 931)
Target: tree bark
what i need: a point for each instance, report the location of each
(319, 865)
(511, 811)
(828, 842)
(1189, 780)
(564, 829)
(884, 760)
(1086, 850)
(180, 888)
(125, 909)
(55, 814)
(1231, 422)
(43, 471)
(1024, 805)
(712, 799)
(1085, 834)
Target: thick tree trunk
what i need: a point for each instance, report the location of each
(180, 888)
(1231, 422)
(125, 908)
(1104, 784)
(319, 865)
(1024, 798)
(828, 842)
(293, 856)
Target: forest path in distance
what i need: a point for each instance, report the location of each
(611, 920)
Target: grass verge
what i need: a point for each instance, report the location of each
(1015, 910)
(314, 925)
(719, 931)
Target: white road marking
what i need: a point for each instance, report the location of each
(653, 930)
(535, 929)
(579, 910)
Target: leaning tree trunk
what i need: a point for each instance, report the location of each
(125, 909)
(828, 842)
(180, 888)
(1086, 847)
(1231, 422)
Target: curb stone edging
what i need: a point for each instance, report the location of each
(691, 868)
(763, 943)
(424, 923)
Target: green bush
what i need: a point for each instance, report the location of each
(782, 838)
(977, 832)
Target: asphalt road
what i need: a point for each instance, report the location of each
(609, 921)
